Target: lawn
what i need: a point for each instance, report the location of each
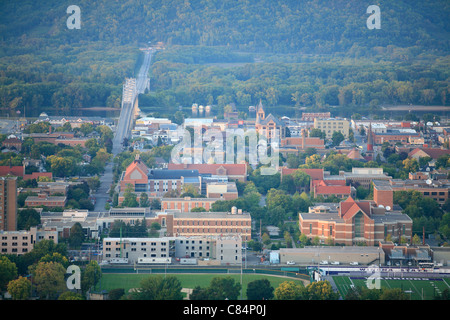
(128, 281)
(417, 288)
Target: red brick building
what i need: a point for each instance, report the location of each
(136, 175)
(355, 222)
(45, 200)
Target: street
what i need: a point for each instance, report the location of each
(131, 90)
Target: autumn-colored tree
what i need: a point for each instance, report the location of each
(321, 290)
(49, 279)
(20, 288)
(289, 290)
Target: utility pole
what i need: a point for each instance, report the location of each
(120, 241)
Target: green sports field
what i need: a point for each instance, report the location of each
(128, 281)
(417, 288)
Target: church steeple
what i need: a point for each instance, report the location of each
(369, 138)
(260, 113)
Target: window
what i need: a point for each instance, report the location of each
(358, 222)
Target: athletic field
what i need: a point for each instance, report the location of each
(129, 281)
(416, 288)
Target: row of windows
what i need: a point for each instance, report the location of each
(207, 230)
(14, 250)
(211, 223)
(426, 193)
(108, 243)
(193, 241)
(14, 238)
(403, 228)
(14, 244)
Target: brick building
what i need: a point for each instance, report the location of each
(206, 223)
(8, 203)
(353, 222)
(43, 199)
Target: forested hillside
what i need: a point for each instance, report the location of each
(44, 65)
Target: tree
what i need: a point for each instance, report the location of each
(116, 294)
(86, 128)
(301, 179)
(8, 272)
(289, 290)
(20, 288)
(314, 132)
(49, 279)
(69, 295)
(47, 247)
(55, 257)
(260, 290)
(143, 200)
(199, 293)
(222, 288)
(337, 138)
(393, 294)
(129, 197)
(321, 290)
(76, 236)
(159, 288)
(90, 276)
(27, 218)
(411, 165)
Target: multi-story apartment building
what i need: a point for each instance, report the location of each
(330, 125)
(135, 248)
(21, 242)
(226, 249)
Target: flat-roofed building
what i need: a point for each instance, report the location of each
(21, 242)
(222, 190)
(364, 176)
(437, 190)
(186, 204)
(63, 222)
(206, 223)
(312, 255)
(331, 125)
(134, 249)
(43, 199)
(226, 249)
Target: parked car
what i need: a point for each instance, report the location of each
(335, 262)
(324, 262)
(290, 262)
(354, 263)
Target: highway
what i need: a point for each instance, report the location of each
(132, 88)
